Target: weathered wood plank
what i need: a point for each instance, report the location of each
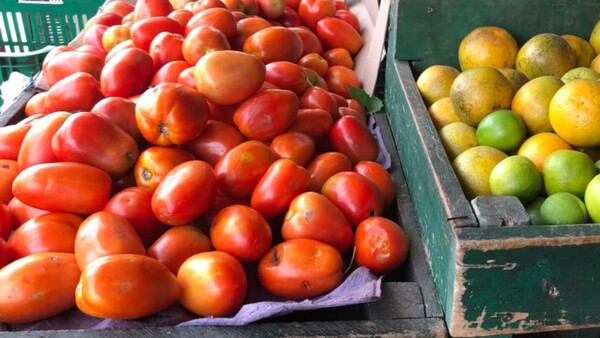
(398, 300)
(495, 211)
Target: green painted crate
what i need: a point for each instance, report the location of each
(492, 278)
(29, 29)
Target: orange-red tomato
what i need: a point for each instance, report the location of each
(154, 163)
(121, 7)
(187, 191)
(283, 181)
(93, 35)
(310, 41)
(200, 5)
(294, 146)
(103, 234)
(339, 57)
(312, 11)
(6, 221)
(290, 18)
(144, 31)
(219, 18)
(203, 40)
(218, 79)
(266, 114)
(316, 97)
(213, 283)
(105, 19)
(355, 195)
(271, 9)
(99, 51)
(64, 63)
(149, 8)
(120, 111)
(126, 286)
(315, 62)
(287, 75)
(377, 174)
(21, 213)
(381, 245)
(171, 114)
(349, 17)
(359, 114)
(52, 232)
(314, 122)
(166, 47)
(177, 244)
(334, 32)
(170, 73)
(181, 15)
(326, 165)
(9, 169)
(301, 268)
(62, 181)
(242, 232)
(38, 287)
(77, 92)
(3, 253)
(315, 79)
(245, 28)
(274, 44)
(36, 105)
(216, 139)
(113, 36)
(311, 215)
(116, 78)
(339, 78)
(187, 77)
(350, 136)
(134, 204)
(240, 169)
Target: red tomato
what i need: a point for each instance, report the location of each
(200, 5)
(104, 234)
(154, 163)
(219, 18)
(292, 3)
(310, 41)
(314, 122)
(339, 99)
(316, 97)
(315, 62)
(294, 146)
(242, 232)
(121, 7)
(76, 92)
(65, 63)
(266, 114)
(381, 245)
(170, 73)
(213, 284)
(11, 138)
(301, 268)
(117, 48)
(135, 205)
(240, 169)
(222, 113)
(105, 19)
(93, 35)
(99, 51)
(339, 57)
(339, 78)
(355, 195)
(6, 221)
(203, 40)
(187, 78)
(324, 166)
(340, 4)
(311, 215)
(181, 15)
(171, 114)
(116, 78)
(149, 8)
(35, 105)
(115, 35)
(166, 47)
(287, 75)
(22, 213)
(52, 53)
(219, 80)
(9, 169)
(377, 174)
(120, 111)
(216, 139)
(145, 30)
(353, 138)
(177, 244)
(312, 11)
(37, 145)
(352, 103)
(94, 140)
(290, 18)
(274, 44)
(3, 253)
(315, 79)
(187, 191)
(37, 287)
(271, 9)
(334, 32)
(51, 186)
(360, 115)
(204, 222)
(126, 286)
(349, 17)
(52, 232)
(283, 181)
(245, 28)
(250, 7)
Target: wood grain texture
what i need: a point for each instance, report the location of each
(499, 211)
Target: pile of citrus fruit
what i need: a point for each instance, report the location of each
(523, 121)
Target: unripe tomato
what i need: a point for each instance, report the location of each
(177, 244)
(381, 245)
(301, 268)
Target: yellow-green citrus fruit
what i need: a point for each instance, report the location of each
(545, 54)
(503, 130)
(516, 176)
(568, 171)
(563, 208)
(473, 168)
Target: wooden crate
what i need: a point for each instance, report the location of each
(494, 275)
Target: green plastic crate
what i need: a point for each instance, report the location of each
(29, 29)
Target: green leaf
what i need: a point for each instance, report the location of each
(371, 104)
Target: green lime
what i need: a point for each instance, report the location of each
(563, 208)
(533, 210)
(569, 171)
(516, 176)
(592, 199)
(503, 130)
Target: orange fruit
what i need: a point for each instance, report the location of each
(457, 137)
(487, 46)
(473, 168)
(516, 78)
(537, 147)
(545, 54)
(434, 83)
(595, 38)
(595, 64)
(532, 101)
(584, 52)
(442, 113)
(479, 91)
(574, 112)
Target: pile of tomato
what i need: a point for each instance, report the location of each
(183, 144)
